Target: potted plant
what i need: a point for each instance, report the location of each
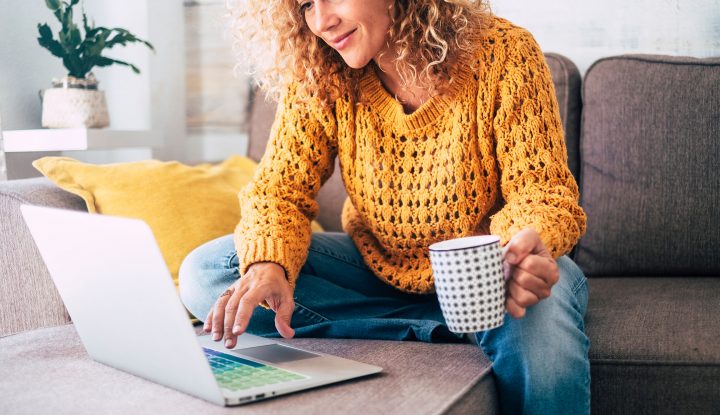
(74, 100)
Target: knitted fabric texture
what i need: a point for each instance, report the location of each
(486, 156)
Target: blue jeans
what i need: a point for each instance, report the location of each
(540, 362)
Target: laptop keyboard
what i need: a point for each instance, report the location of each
(235, 373)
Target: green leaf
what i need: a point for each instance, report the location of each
(81, 48)
(105, 61)
(53, 4)
(148, 44)
(67, 19)
(93, 46)
(92, 31)
(45, 31)
(123, 37)
(70, 39)
(86, 26)
(75, 37)
(47, 41)
(74, 67)
(103, 32)
(59, 14)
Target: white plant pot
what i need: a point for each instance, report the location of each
(74, 108)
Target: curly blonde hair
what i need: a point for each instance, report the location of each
(273, 40)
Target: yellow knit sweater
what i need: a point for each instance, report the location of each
(487, 156)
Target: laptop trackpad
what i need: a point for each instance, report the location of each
(276, 353)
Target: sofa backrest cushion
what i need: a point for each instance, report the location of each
(650, 163)
(566, 78)
(28, 297)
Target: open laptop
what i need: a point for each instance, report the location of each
(120, 295)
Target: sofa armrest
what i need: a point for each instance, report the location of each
(28, 298)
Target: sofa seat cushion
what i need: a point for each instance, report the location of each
(49, 370)
(654, 344)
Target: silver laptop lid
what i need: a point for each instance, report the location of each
(124, 306)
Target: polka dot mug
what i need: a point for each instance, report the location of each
(469, 282)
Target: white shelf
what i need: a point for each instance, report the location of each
(71, 139)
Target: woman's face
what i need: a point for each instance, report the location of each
(355, 28)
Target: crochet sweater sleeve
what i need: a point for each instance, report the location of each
(537, 187)
(279, 203)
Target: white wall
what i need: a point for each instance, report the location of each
(127, 94)
(217, 96)
(25, 68)
(153, 100)
(585, 30)
(166, 21)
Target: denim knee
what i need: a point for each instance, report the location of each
(205, 273)
(541, 361)
(573, 280)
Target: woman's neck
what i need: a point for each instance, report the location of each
(411, 97)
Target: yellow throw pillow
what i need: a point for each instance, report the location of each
(185, 206)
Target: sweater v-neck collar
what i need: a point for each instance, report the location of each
(390, 109)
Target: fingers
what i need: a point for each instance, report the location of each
(532, 283)
(219, 314)
(519, 299)
(537, 273)
(530, 271)
(245, 310)
(521, 245)
(208, 321)
(231, 313)
(231, 309)
(232, 316)
(522, 297)
(514, 309)
(283, 316)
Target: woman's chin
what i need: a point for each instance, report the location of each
(355, 63)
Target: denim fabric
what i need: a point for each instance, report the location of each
(540, 361)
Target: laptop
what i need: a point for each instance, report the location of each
(119, 293)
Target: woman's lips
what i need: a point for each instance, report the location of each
(341, 41)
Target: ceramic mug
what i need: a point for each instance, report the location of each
(469, 282)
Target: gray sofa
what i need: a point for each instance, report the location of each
(643, 138)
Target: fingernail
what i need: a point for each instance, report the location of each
(228, 343)
(216, 336)
(236, 330)
(510, 257)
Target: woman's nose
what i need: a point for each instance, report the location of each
(324, 15)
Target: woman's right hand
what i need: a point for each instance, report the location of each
(263, 281)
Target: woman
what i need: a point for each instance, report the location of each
(445, 123)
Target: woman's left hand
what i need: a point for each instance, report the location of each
(530, 272)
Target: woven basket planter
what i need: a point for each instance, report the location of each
(74, 103)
